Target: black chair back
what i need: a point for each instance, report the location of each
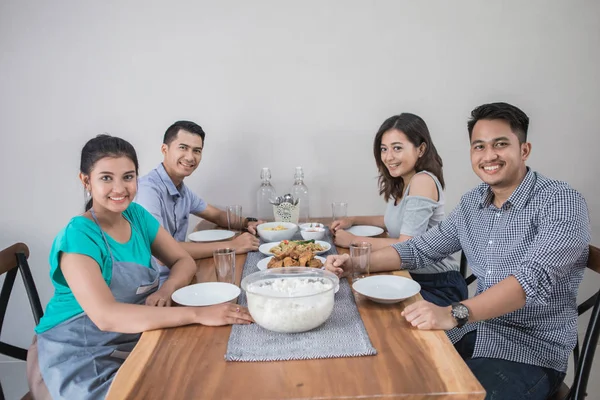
(14, 258)
(583, 357)
(463, 269)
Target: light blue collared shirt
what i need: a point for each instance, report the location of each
(170, 205)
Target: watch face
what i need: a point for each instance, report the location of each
(460, 311)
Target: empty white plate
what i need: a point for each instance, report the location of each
(264, 248)
(365, 230)
(211, 235)
(205, 294)
(386, 289)
(262, 264)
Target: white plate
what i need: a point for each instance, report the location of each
(206, 294)
(262, 264)
(365, 230)
(386, 289)
(211, 235)
(264, 248)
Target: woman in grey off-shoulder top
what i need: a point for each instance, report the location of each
(411, 182)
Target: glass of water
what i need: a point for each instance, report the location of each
(225, 265)
(339, 210)
(360, 258)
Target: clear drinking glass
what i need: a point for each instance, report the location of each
(339, 210)
(360, 258)
(234, 218)
(225, 265)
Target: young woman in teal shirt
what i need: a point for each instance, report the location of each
(106, 289)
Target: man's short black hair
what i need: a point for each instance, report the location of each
(518, 120)
(187, 126)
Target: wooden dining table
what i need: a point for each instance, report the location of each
(188, 362)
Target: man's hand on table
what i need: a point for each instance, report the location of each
(252, 226)
(426, 315)
(422, 314)
(223, 314)
(244, 243)
(338, 264)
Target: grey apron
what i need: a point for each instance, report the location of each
(78, 360)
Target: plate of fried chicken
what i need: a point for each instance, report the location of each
(291, 260)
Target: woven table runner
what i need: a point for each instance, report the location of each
(342, 335)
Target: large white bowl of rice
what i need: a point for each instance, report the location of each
(290, 299)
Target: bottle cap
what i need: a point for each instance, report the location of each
(265, 173)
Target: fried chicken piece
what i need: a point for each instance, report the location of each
(288, 253)
(315, 263)
(289, 262)
(305, 258)
(275, 263)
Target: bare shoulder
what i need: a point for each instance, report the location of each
(423, 185)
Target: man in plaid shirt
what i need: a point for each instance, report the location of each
(526, 240)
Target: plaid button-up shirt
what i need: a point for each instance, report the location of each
(540, 235)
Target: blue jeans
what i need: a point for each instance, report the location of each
(443, 288)
(509, 380)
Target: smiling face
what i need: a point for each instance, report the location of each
(182, 155)
(398, 154)
(112, 182)
(497, 157)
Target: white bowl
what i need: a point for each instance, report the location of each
(276, 236)
(291, 299)
(311, 225)
(386, 289)
(313, 233)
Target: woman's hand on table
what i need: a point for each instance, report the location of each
(343, 238)
(244, 243)
(160, 298)
(223, 314)
(337, 263)
(425, 315)
(343, 223)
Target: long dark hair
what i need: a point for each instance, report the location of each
(417, 132)
(104, 146)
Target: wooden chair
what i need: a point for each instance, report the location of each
(584, 356)
(12, 259)
(463, 269)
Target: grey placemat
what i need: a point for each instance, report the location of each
(342, 335)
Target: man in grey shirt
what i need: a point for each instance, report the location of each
(163, 193)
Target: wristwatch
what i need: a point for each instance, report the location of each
(248, 220)
(460, 312)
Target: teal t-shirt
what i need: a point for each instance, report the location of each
(83, 236)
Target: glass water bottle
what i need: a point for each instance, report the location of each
(266, 191)
(300, 191)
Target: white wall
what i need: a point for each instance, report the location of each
(280, 84)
